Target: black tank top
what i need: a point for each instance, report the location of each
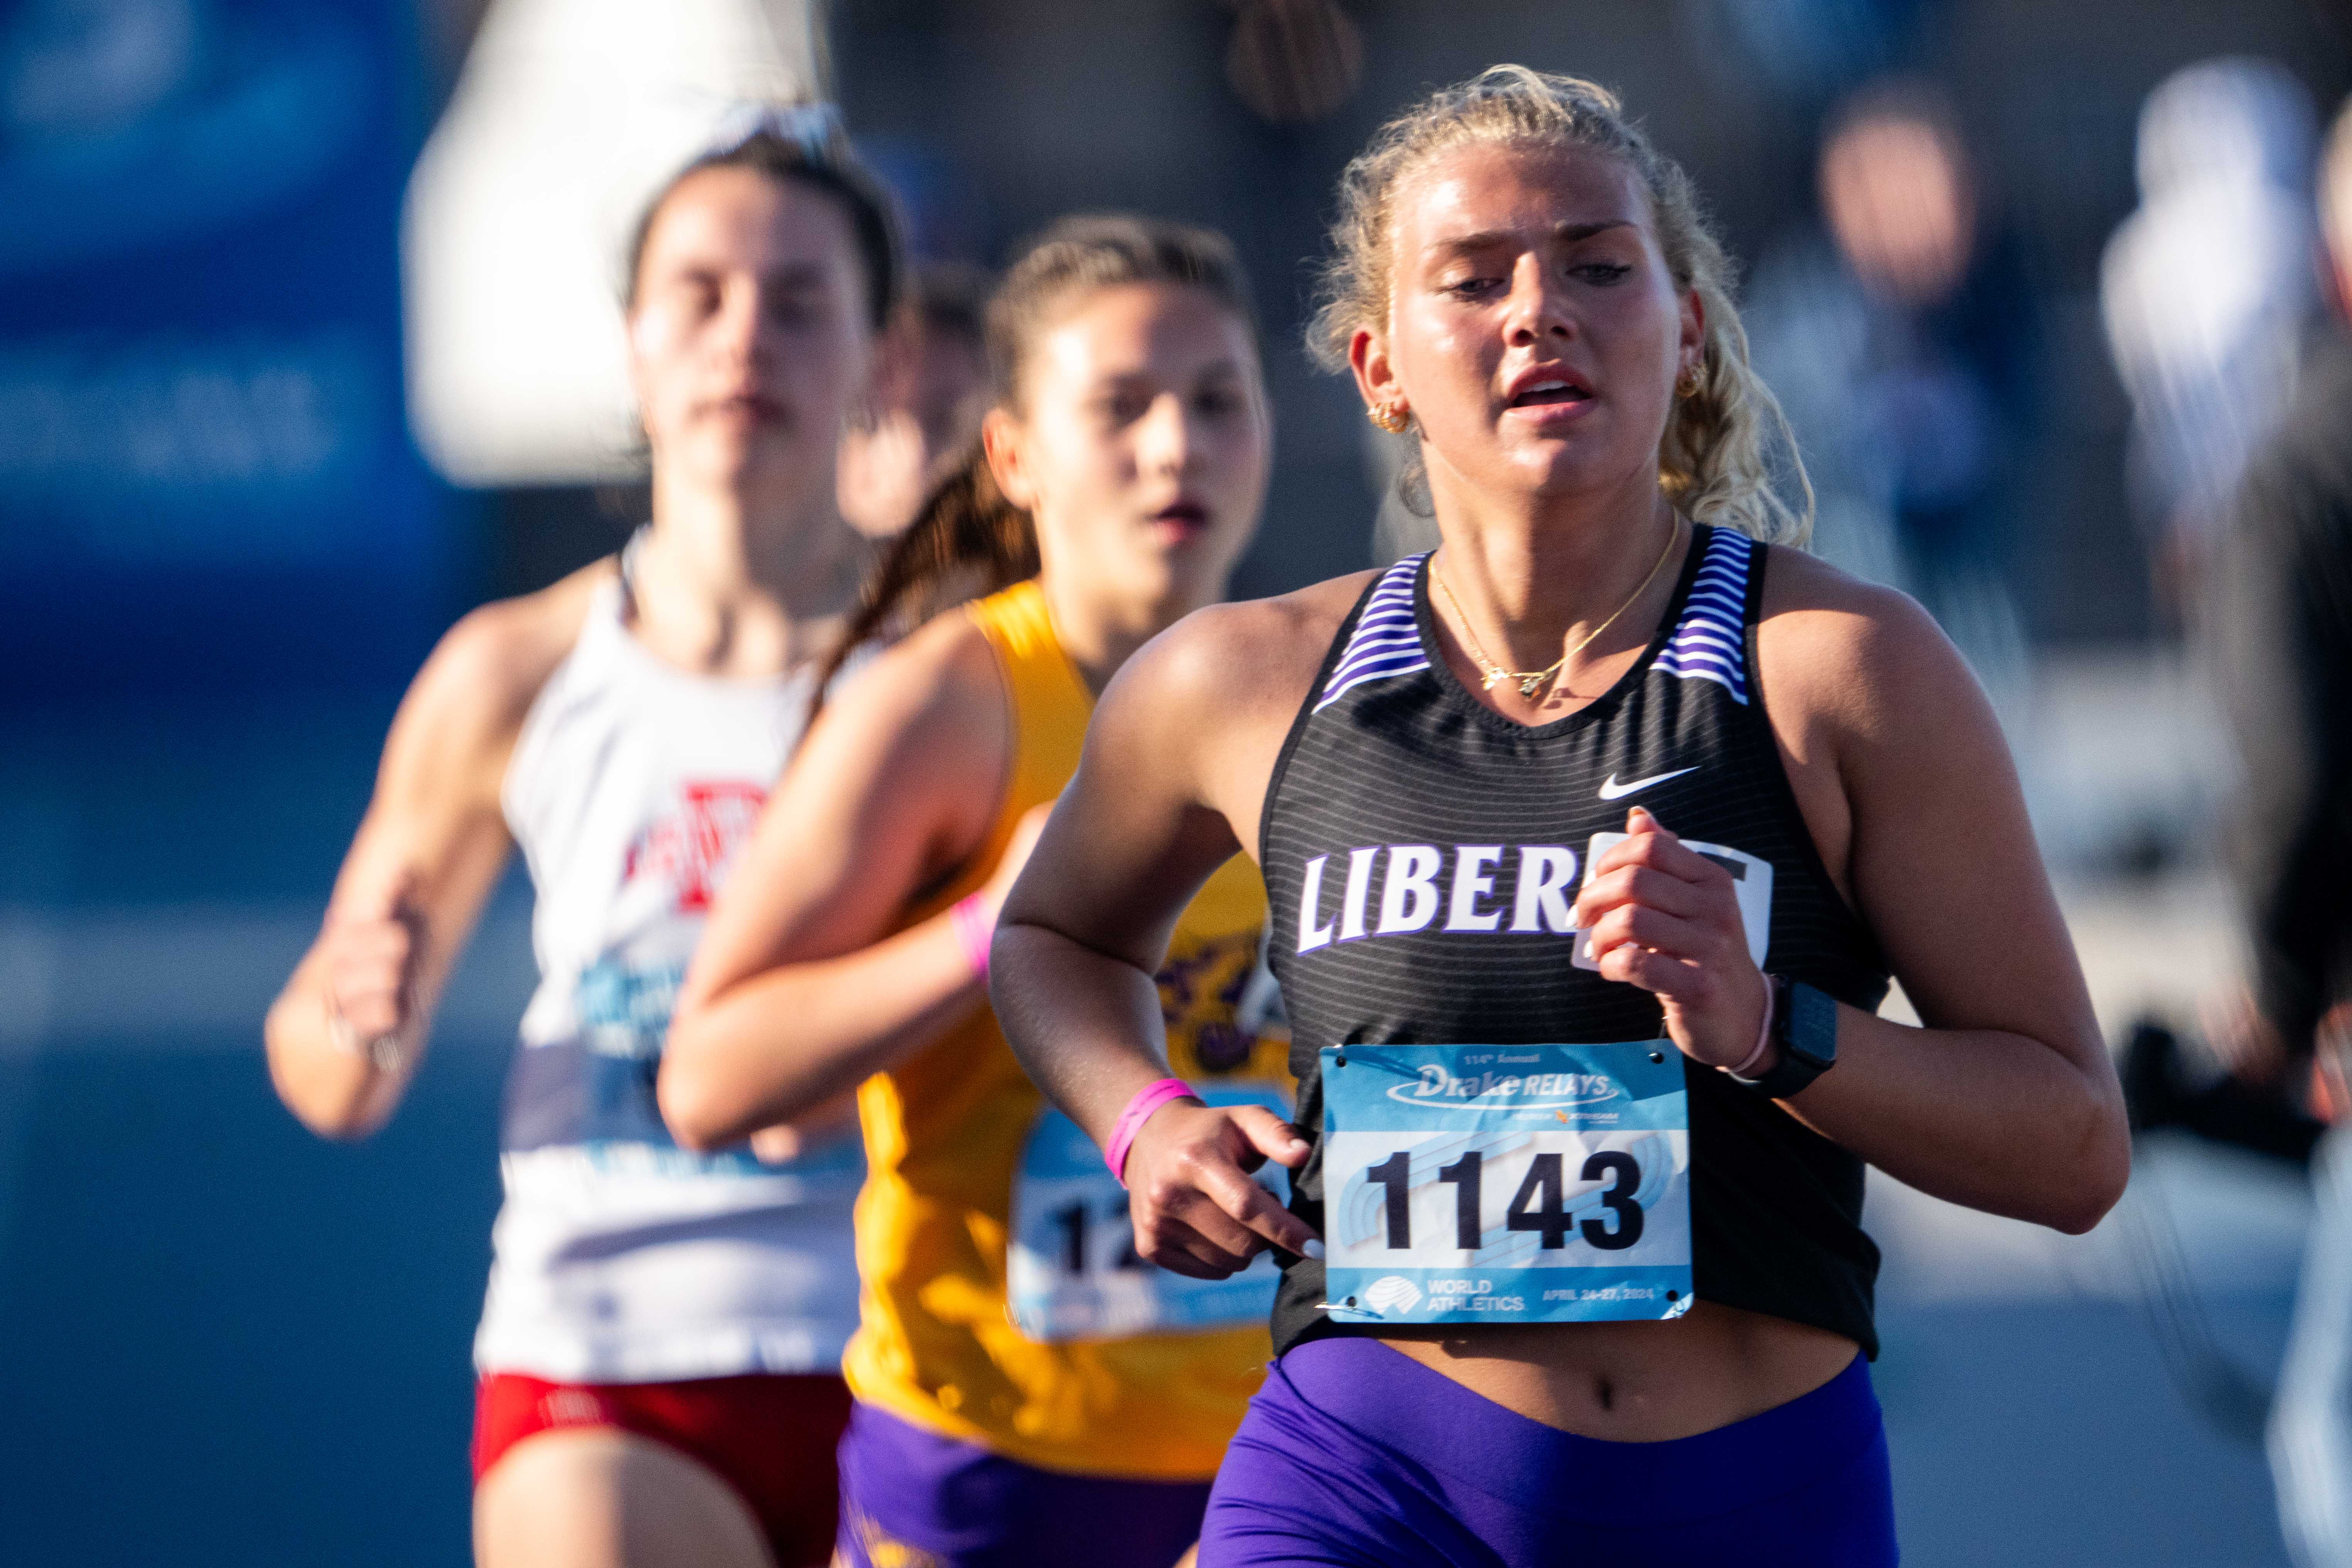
(1390, 753)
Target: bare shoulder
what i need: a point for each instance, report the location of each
(948, 653)
(496, 659)
(1833, 646)
(925, 721)
(1247, 656)
(1205, 706)
(468, 705)
(941, 671)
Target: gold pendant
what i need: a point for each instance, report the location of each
(1528, 686)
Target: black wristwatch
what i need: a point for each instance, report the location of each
(1804, 1026)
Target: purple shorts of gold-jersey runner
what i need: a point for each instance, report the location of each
(914, 1499)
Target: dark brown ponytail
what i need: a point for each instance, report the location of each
(967, 543)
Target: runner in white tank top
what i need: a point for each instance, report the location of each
(620, 1257)
(660, 1347)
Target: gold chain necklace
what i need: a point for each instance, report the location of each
(1531, 681)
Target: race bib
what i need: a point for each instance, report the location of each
(1505, 1183)
(1072, 1272)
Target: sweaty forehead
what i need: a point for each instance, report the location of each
(1520, 190)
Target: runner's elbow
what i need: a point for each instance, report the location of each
(688, 1091)
(695, 1106)
(332, 1095)
(2098, 1173)
(347, 1120)
(693, 1097)
(342, 1107)
(2102, 1193)
(2082, 1215)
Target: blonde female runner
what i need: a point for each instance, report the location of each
(1590, 840)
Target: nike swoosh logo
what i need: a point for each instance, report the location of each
(1612, 790)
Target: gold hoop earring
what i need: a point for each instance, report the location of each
(1389, 417)
(1687, 385)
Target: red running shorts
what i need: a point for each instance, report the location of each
(769, 1435)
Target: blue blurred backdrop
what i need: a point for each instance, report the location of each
(222, 554)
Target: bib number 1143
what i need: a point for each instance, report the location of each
(1539, 1206)
(1505, 1183)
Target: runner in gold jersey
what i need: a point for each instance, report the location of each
(1028, 1390)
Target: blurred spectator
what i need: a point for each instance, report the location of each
(2206, 289)
(1904, 342)
(930, 390)
(2280, 624)
(1294, 61)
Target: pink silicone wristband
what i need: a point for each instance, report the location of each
(1763, 1034)
(974, 931)
(1151, 1097)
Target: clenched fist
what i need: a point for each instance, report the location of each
(371, 948)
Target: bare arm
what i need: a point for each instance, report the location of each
(1176, 762)
(795, 995)
(424, 861)
(2006, 1100)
